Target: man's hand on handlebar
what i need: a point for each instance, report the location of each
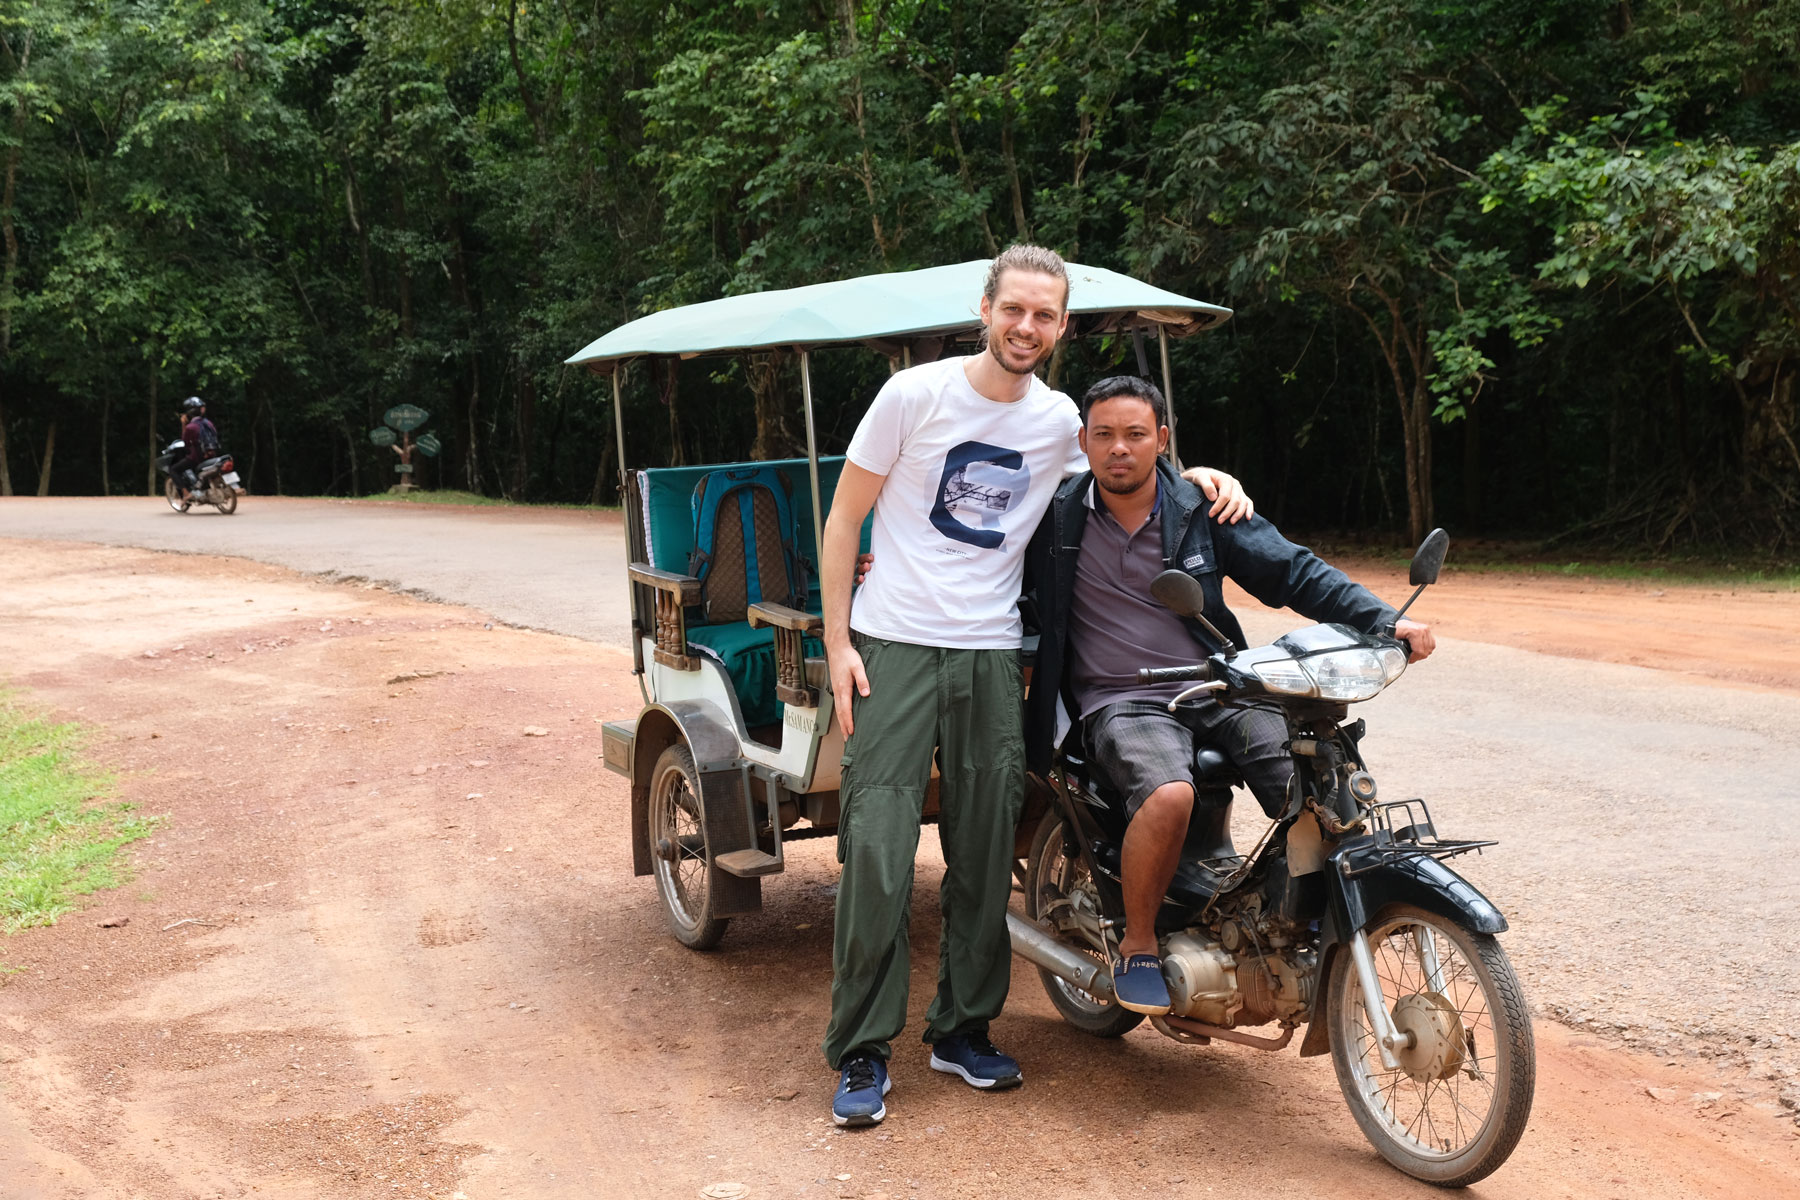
(1418, 638)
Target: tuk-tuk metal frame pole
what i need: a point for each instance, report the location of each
(637, 644)
(619, 427)
(812, 457)
(1162, 347)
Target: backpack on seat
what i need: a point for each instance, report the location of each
(744, 542)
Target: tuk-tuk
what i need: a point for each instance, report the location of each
(735, 752)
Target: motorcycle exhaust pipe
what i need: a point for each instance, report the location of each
(1066, 963)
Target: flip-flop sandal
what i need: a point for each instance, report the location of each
(1138, 985)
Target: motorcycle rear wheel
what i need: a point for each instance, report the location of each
(678, 830)
(172, 493)
(1049, 873)
(1456, 1107)
(228, 504)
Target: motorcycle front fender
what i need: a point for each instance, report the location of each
(1363, 880)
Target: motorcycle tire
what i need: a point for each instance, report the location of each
(172, 493)
(680, 858)
(1456, 1106)
(226, 498)
(1050, 872)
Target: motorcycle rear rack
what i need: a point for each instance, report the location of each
(1402, 829)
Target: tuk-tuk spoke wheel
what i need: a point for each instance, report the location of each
(680, 858)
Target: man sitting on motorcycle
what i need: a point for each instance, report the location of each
(1108, 532)
(200, 440)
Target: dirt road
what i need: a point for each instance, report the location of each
(416, 962)
(555, 569)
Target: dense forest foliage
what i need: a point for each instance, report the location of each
(1513, 266)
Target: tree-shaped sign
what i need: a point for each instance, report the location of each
(397, 433)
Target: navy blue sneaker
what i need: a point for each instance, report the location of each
(974, 1058)
(858, 1100)
(1138, 985)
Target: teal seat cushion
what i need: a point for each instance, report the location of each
(748, 656)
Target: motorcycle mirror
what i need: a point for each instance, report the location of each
(1180, 593)
(1430, 558)
(1425, 566)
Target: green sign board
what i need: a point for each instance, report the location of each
(406, 417)
(382, 437)
(429, 445)
(403, 468)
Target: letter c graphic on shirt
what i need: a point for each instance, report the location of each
(979, 481)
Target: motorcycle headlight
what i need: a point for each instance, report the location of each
(1347, 675)
(1285, 676)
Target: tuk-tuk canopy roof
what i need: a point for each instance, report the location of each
(886, 311)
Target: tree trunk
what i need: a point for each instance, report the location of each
(773, 437)
(472, 465)
(525, 411)
(150, 468)
(665, 377)
(5, 472)
(49, 457)
(12, 243)
(268, 410)
(355, 468)
(1471, 466)
(105, 425)
(603, 476)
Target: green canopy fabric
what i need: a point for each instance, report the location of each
(938, 301)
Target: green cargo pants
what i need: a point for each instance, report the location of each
(965, 704)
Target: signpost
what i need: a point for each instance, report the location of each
(404, 418)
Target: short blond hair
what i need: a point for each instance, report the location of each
(1022, 256)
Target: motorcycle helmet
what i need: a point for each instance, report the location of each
(193, 404)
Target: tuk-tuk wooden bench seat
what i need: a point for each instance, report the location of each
(766, 656)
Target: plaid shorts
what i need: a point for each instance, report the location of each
(1143, 746)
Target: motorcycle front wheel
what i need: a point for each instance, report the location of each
(1052, 875)
(1454, 1108)
(172, 493)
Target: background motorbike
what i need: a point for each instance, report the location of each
(218, 482)
(1343, 918)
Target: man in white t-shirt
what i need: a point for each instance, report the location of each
(958, 459)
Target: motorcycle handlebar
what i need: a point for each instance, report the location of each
(1174, 674)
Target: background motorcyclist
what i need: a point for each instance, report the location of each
(1107, 534)
(200, 439)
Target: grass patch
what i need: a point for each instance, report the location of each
(452, 496)
(1479, 555)
(60, 833)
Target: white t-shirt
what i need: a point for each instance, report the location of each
(968, 479)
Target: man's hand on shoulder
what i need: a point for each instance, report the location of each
(1418, 639)
(1230, 502)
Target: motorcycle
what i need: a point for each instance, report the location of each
(218, 481)
(1343, 918)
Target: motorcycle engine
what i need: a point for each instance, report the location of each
(1209, 983)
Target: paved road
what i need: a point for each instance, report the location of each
(560, 570)
(1646, 817)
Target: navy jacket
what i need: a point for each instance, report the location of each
(1251, 553)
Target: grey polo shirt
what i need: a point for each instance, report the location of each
(1115, 625)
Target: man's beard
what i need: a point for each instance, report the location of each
(1122, 487)
(995, 349)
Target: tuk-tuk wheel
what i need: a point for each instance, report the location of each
(679, 856)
